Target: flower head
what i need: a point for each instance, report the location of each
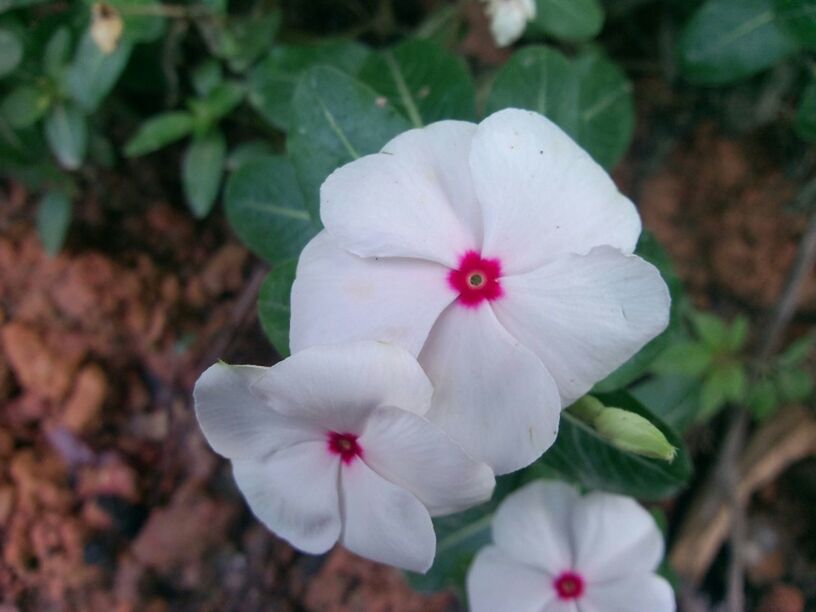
(556, 551)
(501, 256)
(508, 18)
(330, 445)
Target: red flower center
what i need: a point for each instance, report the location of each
(569, 585)
(476, 279)
(345, 445)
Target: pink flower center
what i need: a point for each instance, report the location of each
(476, 279)
(345, 445)
(569, 585)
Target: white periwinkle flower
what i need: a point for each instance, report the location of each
(556, 551)
(329, 445)
(508, 18)
(501, 256)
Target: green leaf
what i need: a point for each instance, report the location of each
(7, 5)
(763, 398)
(710, 329)
(207, 76)
(797, 352)
(686, 357)
(581, 455)
(568, 20)
(272, 82)
(201, 171)
(53, 219)
(799, 18)
(424, 81)
(274, 305)
(92, 74)
(24, 106)
(57, 52)
(220, 102)
(589, 97)
(265, 207)
(726, 41)
(675, 399)
(247, 152)
(158, 132)
(336, 120)
(140, 27)
(726, 383)
(737, 334)
(246, 38)
(11, 52)
(794, 385)
(66, 130)
(806, 114)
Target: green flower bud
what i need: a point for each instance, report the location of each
(631, 432)
(587, 409)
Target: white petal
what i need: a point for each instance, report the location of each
(384, 522)
(238, 424)
(585, 315)
(491, 395)
(339, 297)
(533, 525)
(337, 387)
(542, 195)
(614, 537)
(294, 493)
(406, 200)
(639, 592)
(411, 452)
(495, 583)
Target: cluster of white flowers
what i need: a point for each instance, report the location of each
(470, 283)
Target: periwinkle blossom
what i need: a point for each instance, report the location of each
(500, 255)
(330, 445)
(557, 551)
(508, 19)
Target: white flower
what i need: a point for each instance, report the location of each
(501, 256)
(508, 18)
(555, 551)
(324, 448)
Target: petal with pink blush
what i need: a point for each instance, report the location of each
(542, 196)
(339, 297)
(498, 582)
(384, 522)
(400, 202)
(416, 455)
(491, 394)
(294, 493)
(585, 315)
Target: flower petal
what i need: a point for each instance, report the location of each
(614, 537)
(294, 493)
(491, 395)
(384, 522)
(337, 387)
(533, 526)
(339, 297)
(497, 582)
(238, 424)
(416, 455)
(543, 196)
(585, 315)
(638, 592)
(405, 200)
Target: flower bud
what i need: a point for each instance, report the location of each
(508, 18)
(106, 27)
(587, 409)
(631, 432)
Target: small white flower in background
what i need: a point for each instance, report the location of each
(329, 445)
(501, 256)
(106, 27)
(508, 18)
(556, 551)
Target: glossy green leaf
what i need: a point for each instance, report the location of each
(53, 219)
(247, 152)
(568, 20)
(710, 329)
(726, 41)
(221, 101)
(201, 170)
(673, 398)
(265, 207)
(207, 76)
(66, 130)
(57, 52)
(274, 305)
(272, 82)
(806, 114)
(589, 97)
(799, 18)
(245, 39)
(24, 106)
(581, 455)
(336, 120)
(92, 74)
(11, 51)
(687, 357)
(424, 81)
(158, 132)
